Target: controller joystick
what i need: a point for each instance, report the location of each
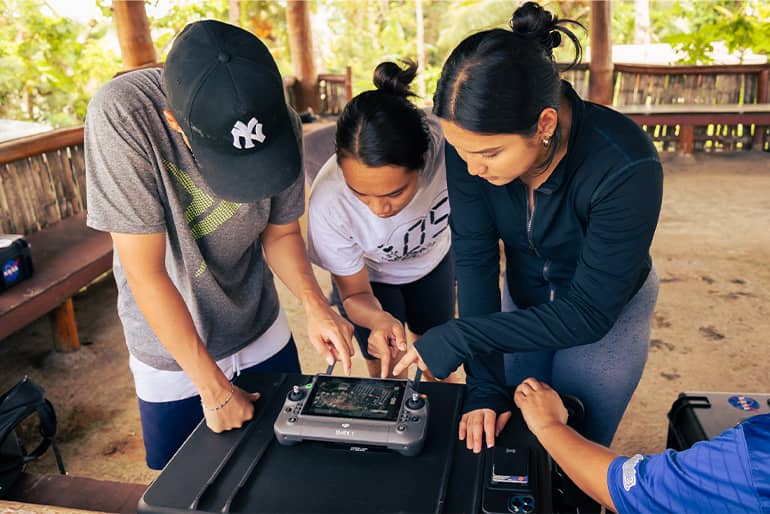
(296, 393)
(416, 402)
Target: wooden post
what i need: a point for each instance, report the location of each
(65, 330)
(301, 47)
(762, 98)
(686, 140)
(348, 83)
(600, 69)
(133, 33)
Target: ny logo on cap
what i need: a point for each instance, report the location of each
(249, 133)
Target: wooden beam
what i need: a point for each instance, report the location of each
(600, 74)
(301, 47)
(28, 146)
(133, 33)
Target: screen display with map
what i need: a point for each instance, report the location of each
(361, 398)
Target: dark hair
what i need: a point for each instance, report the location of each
(382, 127)
(499, 81)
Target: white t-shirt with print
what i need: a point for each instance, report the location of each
(344, 235)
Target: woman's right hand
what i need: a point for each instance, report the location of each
(238, 410)
(387, 338)
(478, 424)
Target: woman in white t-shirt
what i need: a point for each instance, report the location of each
(378, 218)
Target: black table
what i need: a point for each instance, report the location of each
(246, 470)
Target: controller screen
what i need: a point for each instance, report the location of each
(361, 398)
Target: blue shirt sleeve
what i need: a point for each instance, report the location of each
(712, 476)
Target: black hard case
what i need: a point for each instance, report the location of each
(246, 470)
(16, 254)
(701, 416)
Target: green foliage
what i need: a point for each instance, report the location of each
(51, 65)
(742, 24)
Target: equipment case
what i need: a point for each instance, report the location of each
(700, 416)
(246, 470)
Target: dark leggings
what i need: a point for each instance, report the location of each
(422, 304)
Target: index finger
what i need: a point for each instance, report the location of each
(344, 352)
(385, 364)
(410, 357)
(489, 428)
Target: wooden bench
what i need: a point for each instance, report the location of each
(42, 195)
(65, 493)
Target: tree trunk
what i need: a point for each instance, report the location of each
(600, 68)
(421, 61)
(234, 12)
(642, 22)
(133, 33)
(301, 47)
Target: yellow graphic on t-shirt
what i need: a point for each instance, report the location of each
(201, 269)
(201, 202)
(199, 205)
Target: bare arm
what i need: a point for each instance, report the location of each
(584, 461)
(142, 257)
(285, 252)
(387, 334)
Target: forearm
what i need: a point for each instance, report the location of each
(584, 461)
(287, 257)
(362, 309)
(165, 311)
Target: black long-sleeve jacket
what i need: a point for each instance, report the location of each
(571, 266)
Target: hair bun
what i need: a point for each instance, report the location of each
(389, 77)
(531, 21)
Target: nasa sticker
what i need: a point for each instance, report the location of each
(11, 271)
(745, 403)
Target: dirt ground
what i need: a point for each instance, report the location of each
(710, 332)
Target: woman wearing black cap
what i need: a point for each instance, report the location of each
(573, 189)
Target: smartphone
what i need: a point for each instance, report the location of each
(510, 465)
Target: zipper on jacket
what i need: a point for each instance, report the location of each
(547, 263)
(530, 219)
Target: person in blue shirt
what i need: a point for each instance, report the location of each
(573, 190)
(730, 473)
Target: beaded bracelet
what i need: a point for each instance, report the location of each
(221, 405)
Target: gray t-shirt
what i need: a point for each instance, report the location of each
(141, 179)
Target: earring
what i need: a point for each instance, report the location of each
(546, 141)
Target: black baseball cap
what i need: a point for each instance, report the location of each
(225, 90)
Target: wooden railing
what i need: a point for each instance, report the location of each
(334, 91)
(42, 180)
(692, 108)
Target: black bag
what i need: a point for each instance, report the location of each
(15, 260)
(19, 403)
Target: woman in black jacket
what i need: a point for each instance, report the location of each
(573, 189)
